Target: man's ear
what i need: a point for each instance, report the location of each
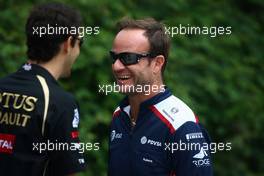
(158, 63)
(67, 44)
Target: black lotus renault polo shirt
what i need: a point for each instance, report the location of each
(160, 143)
(36, 118)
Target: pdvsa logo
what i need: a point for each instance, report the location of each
(115, 135)
(145, 140)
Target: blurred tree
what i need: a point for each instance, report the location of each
(220, 77)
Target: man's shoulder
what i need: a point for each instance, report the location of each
(20, 84)
(7, 77)
(62, 96)
(116, 112)
(173, 112)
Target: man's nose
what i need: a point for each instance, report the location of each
(118, 65)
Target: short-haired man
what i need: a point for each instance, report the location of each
(38, 119)
(151, 125)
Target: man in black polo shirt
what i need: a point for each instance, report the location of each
(38, 119)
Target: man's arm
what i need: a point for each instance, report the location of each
(192, 157)
(64, 131)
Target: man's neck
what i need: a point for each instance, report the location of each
(53, 66)
(136, 99)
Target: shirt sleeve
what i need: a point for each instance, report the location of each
(67, 156)
(190, 151)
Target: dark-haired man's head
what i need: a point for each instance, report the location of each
(52, 30)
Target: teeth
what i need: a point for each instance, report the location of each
(123, 77)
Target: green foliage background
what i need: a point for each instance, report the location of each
(220, 78)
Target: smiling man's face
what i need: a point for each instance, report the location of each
(139, 74)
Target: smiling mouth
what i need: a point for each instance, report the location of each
(123, 78)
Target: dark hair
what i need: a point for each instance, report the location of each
(155, 33)
(44, 48)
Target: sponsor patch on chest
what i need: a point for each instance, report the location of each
(7, 142)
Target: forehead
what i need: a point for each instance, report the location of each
(131, 40)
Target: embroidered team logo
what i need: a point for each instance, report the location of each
(76, 119)
(7, 143)
(143, 140)
(81, 161)
(174, 110)
(115, 135)
(194, 136)
(202, 153)
(201, 159)
(27, 67)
